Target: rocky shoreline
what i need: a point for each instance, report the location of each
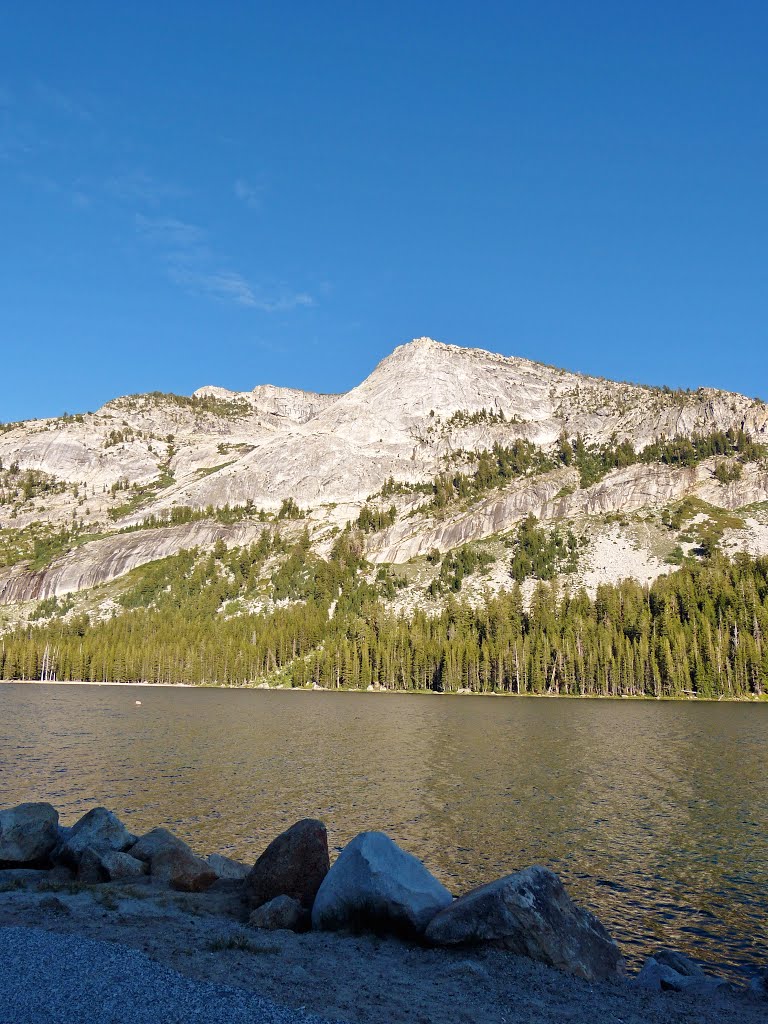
(373, 937)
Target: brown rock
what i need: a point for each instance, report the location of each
(294, 864)
(182, 870)
(171, 860)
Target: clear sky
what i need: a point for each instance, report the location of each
(243, 193)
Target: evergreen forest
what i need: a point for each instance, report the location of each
(276, 612)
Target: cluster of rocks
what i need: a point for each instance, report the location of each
(99, 848)
(372, 886)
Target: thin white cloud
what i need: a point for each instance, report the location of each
(176, 240)
(190, 264)
(285, 301)
(72, 192)
(62, 102)
(250, 195)
(138, 185)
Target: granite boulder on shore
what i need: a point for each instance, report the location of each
(28, 834)
(294, 864)
(530, 913)
(374, 885)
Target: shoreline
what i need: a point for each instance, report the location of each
(340, 977)
(329, 937)
(385, 690)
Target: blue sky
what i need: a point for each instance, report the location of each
(244, 193)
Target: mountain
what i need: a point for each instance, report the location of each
(439, 448)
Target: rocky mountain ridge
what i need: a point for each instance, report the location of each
(88, 497)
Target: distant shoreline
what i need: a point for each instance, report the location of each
(385, 690)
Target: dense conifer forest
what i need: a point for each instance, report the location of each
(276, 612)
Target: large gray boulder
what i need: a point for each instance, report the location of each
(153, 842)
(173, 862)
(376, 886)
(294, 864)
(531, 914)
(28, 833)
(99, 829)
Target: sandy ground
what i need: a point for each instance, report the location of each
(364, 979)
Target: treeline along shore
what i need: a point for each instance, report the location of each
(196, 618)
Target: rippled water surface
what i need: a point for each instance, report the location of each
(656, 815)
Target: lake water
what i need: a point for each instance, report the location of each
(654, 814)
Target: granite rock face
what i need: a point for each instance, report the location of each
(531, 914)
(376, 886)
(28, 833)
(422, 404)
(294, 864)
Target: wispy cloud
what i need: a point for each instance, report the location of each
(250, 195)
(190, 264)
(73, 192)
(62, 102)
(138, 185)
(170, 233)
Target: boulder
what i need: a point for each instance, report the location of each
(172, 861)
(670, 971)
(294, 864)
(159, 839)
(679, 962)
(281, 912)
(531, 914)
(53, 905)
(182, 870)
(227, 868)
(98, 865)
(99, 829)
(376, 886)
(28, 833)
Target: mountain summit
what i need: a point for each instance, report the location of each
(439, 447)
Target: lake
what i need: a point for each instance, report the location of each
(655, 814)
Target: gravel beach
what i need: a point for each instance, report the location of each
(113, 954)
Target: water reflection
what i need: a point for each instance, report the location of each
(653, 813)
